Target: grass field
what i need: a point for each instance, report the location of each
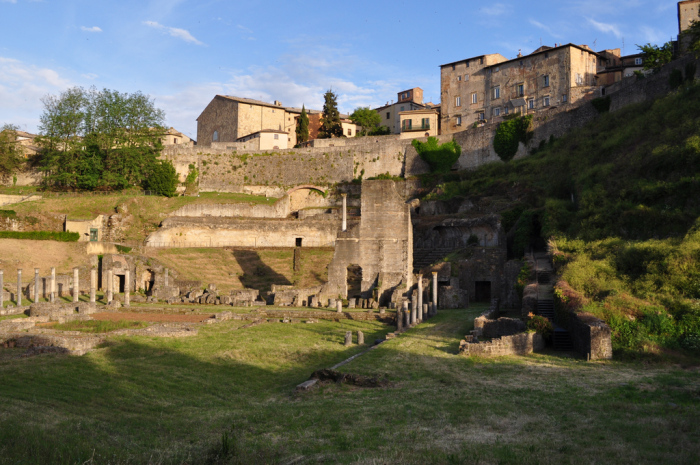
(226, 396)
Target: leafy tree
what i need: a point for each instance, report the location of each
(10, 151)
(99, 139)
(692, 35)
(162, 178)
(302, 126)
(330, 120)
(367, 118)
(440, 157)
(654, 56)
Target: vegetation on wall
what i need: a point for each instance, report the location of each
(440, 157)
(654, 56)
(510, 134)
(162, 178)
(601, 104)
(10, 151)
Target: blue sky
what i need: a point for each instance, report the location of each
(182, 53)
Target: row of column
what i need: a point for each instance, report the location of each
(419, 311)
(76, 286)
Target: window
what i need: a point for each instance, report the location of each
(453, 67)
(498, 68)
(215, 136)
(277, 136)
(497, 92)
(496, 112)
(563, 98)
(349, 132)
(546, 54)
(93, 235)
(466, 77)
(459, 120)
(505, 110)
(481, 60)
(521, 63)
(273, 111)
(579, 79)
(474, 98)
(459, 78)
(407, 124)
(174, 140)
(388, 115)
(481, 116)
(531, 104)
(546, 80)
(546, 101)
(520, 90)
(458, 101)
(402, 108)
(638, 61)
(467, 64)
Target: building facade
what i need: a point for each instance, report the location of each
(407, 100)
(688, 11)
(418, 123)
(489, 87)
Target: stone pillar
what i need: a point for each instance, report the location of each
(420, 298)
(166, 277)
(76, 284)
(109, 286)
(19, 287)
(435, 290)
(348, 338)
(127, 289)
(406, 314)
(52, 287)
(345, 211)
(425, 311)
(36, 285)
(399, 320)
(93, 285)
(414, 311)
(2, 289)
(339, 306)
(360, 338)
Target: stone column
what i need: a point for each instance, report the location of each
(399, 320)
(345, 211)
(127, 289)
(339, 306)
(52, 289)
(425, 311)
(435, 290)
(76, 284)
(36, 285)
(414, 312)
(166, 277)
(93, 285)
(407, 315)
(109, 286)
(348, 338)
(19, 287)
(2, 289)
(360, 338)
(420, 298)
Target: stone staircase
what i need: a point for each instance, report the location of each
(423, 257)
(561, 338)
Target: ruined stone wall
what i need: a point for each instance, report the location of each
(518, 344)
(249, 232)
(279, 210)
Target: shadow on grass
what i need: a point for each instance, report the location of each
(256, 274)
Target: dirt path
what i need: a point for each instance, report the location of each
(151, 317)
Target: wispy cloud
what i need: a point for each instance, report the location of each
(606, 28)
(8, 1)
(174, 32)
(245, 29)
(545, 28)
(90, 29)
(653, 36)
(90, 76)
(497, 9)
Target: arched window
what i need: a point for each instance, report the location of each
(215, 137)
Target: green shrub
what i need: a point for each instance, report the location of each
(510, 134)
(440, 157)
(523, 279)
(540, 325)
(675, 79)
(387, 176)
(8, 213)
(41, 235)
(123, 249)
(163, 178)
(601, 104)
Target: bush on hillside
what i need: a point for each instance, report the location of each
(675, 79)
(41, 235)
(541, 326)
(162, 178)
(510, 134)
(440, 157)
(601, 104)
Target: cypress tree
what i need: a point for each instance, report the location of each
(302, 126)
(330, 121)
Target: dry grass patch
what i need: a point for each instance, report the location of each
(27, 255)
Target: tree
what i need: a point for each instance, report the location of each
(10, 151)
(654, 56)
(103, 139)
(302, 126)
(162, 178)
(692, 37)
(440, 157)
(330, 120)
(367, 118)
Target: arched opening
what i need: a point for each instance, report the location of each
(482, 291)
(215, 136)
(354, 281)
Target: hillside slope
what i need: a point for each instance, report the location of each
(619, 201)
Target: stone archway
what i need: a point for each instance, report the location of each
(306, 196)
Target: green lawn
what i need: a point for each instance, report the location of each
(150, 400)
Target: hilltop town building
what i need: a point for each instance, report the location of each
(489, 87)
(418, 123)
(688, 11)
(407, 100)
(175, 137)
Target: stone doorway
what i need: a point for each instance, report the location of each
(482, 291)
(354, 281)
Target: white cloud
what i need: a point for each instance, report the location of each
(8, 1)
(653, 36)
(497, 9)
(244, 29)
(21, 88)
(90, 29)
(606, 28)
(174, 32)
(90, 76)
(545, 28)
